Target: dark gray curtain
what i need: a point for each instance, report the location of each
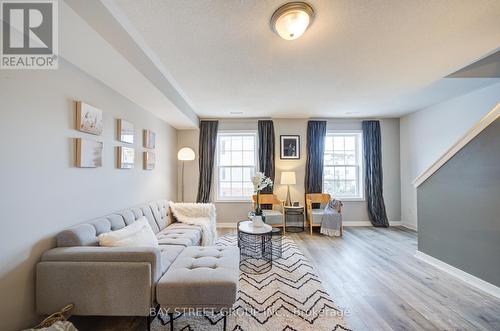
(372, 152)
(207, 144)
(266, 154)
(266, 150)
(316, 132)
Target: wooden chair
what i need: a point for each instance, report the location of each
(311, 198)
(277, 211)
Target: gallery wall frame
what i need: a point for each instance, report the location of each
(124, 131)
(149, 139)
(125, 157)
(149, 160)
(88, 118)
(88, 153)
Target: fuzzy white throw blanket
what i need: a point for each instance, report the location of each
(201, 214)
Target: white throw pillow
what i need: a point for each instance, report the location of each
(137, 234)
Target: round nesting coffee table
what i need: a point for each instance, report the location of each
(256, 248)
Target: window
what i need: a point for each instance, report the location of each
(236, 164)
(343, 165)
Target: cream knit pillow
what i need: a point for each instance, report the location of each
(137, 234)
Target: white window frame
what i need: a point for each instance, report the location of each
(253, 133)
(359, 163)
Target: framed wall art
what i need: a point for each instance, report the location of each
(149, 139)
(88, 118)
(125, 131)
(88, 153)
(125, 157)
(290, 147)
(149, 160)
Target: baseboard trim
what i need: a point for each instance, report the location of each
(368, 223)
(408, 226)
(232, 225)
(228, 225)
(460, 274)
(356, 223)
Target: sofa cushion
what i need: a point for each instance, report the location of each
(201, 277)
(137, 234)
(128, 216)
(79, 235)
(176, 240)
(193, 234)
(160, 213)
(146, 211)
(273, 216)
(186, 236)
(168, 255)
(317, 215)
(179, 225)
(117, 221)
(101, 225)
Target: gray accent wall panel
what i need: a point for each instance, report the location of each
(459, 209)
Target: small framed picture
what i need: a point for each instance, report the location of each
(125, 157)
(88, 153)
(88, 118)
(290, 147)
(125, 131)
(149, 139)
(149, 160)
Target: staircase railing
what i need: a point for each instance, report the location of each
(471, 134)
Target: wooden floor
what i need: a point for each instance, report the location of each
(372, 274)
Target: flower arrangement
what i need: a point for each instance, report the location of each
(260, 182)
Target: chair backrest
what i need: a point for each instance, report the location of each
(318, 197)
(266, 199)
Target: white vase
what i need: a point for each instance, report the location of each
(257, 221)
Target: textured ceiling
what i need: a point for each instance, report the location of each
(359, 58)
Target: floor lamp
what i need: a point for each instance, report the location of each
(184, 154)
(288, 178)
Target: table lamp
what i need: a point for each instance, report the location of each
(184, 154)
(288, 178)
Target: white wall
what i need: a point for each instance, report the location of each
(42, 193)
(230, 212)
(428, 133)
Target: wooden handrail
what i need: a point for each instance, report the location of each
(471, 134)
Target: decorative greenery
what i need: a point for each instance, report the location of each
(260, 182)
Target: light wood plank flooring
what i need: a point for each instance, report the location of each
(373, 274)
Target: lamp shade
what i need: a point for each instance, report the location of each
(185, 154)
(288, 178)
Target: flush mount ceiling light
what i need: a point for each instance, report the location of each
(291, 20)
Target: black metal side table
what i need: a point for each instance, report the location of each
(256, 247)
(294, 218)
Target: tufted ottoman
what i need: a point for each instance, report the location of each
(200, 278)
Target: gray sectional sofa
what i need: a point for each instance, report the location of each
(111, 280)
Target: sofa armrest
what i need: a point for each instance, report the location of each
(150, 255)
(95, 288)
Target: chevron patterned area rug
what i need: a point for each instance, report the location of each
(288, 297)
